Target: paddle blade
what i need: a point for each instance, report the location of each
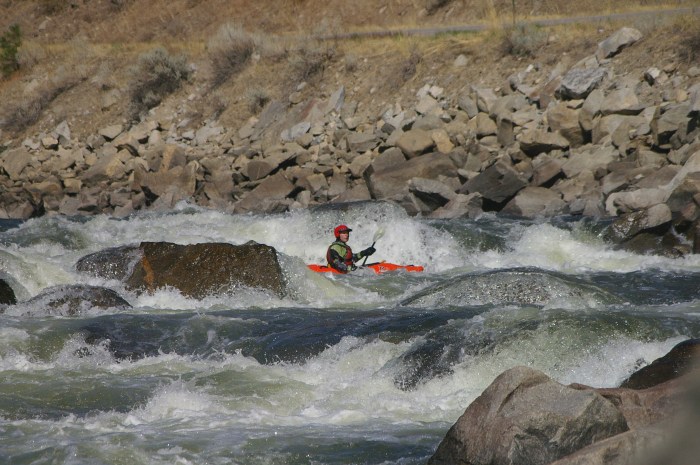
(378, 234)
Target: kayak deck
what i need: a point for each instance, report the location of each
(378, 268)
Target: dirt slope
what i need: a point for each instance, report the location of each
(78, 57)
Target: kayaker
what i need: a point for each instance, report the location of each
(340, 256)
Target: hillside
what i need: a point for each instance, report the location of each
(77, 58)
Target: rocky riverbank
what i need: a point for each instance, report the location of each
(590, 140)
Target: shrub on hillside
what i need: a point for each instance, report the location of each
(9, 45)
(523, 40)
(689, 29)
(157, 75)
(433, 5)
(230, 50)
(310, 60)
(257, 99)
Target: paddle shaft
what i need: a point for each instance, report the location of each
(365, 260)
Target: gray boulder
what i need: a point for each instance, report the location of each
(565, 121)
(668, 121)
(392, 182)
(535, 141)
(14, 161)
(431, 192)
(498, 183)
(617, 42)
(461, 205)
(534, 202)
(361, 142)
(268, 195)
(578, 83)
(415, 142)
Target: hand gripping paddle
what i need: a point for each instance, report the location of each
(377, 235)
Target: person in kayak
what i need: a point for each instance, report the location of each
(340, 256)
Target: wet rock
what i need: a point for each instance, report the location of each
(679, 361)
(198, 270)
(631, 224)
(524, 417)
(7, 295)
(71, 300)
(620, 203)
(522, 287)
(114, 263)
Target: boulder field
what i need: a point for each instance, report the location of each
(590, 140)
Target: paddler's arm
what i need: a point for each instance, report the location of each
(363, 253)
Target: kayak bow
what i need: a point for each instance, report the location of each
(379, 268)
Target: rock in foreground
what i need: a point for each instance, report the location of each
(525, 418)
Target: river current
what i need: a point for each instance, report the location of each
(353, 369)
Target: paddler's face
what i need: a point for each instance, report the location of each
(344, 236)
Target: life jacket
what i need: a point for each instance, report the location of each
(347, 258)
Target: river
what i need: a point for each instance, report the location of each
(345, 369)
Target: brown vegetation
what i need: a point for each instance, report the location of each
(84, 61)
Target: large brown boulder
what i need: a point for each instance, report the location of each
(524, 417)
(198, 270)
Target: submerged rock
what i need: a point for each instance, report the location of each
(7, 295)
(114, 263)
(71, 300)
(523, 287)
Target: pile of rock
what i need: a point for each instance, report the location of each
(584, 141)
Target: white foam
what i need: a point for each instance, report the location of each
(547, 247)
(615, 361)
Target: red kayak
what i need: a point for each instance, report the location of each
(379, 268)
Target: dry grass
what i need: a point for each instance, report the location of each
(275, 51)
(24, 113)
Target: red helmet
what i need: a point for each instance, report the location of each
(339, 229)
